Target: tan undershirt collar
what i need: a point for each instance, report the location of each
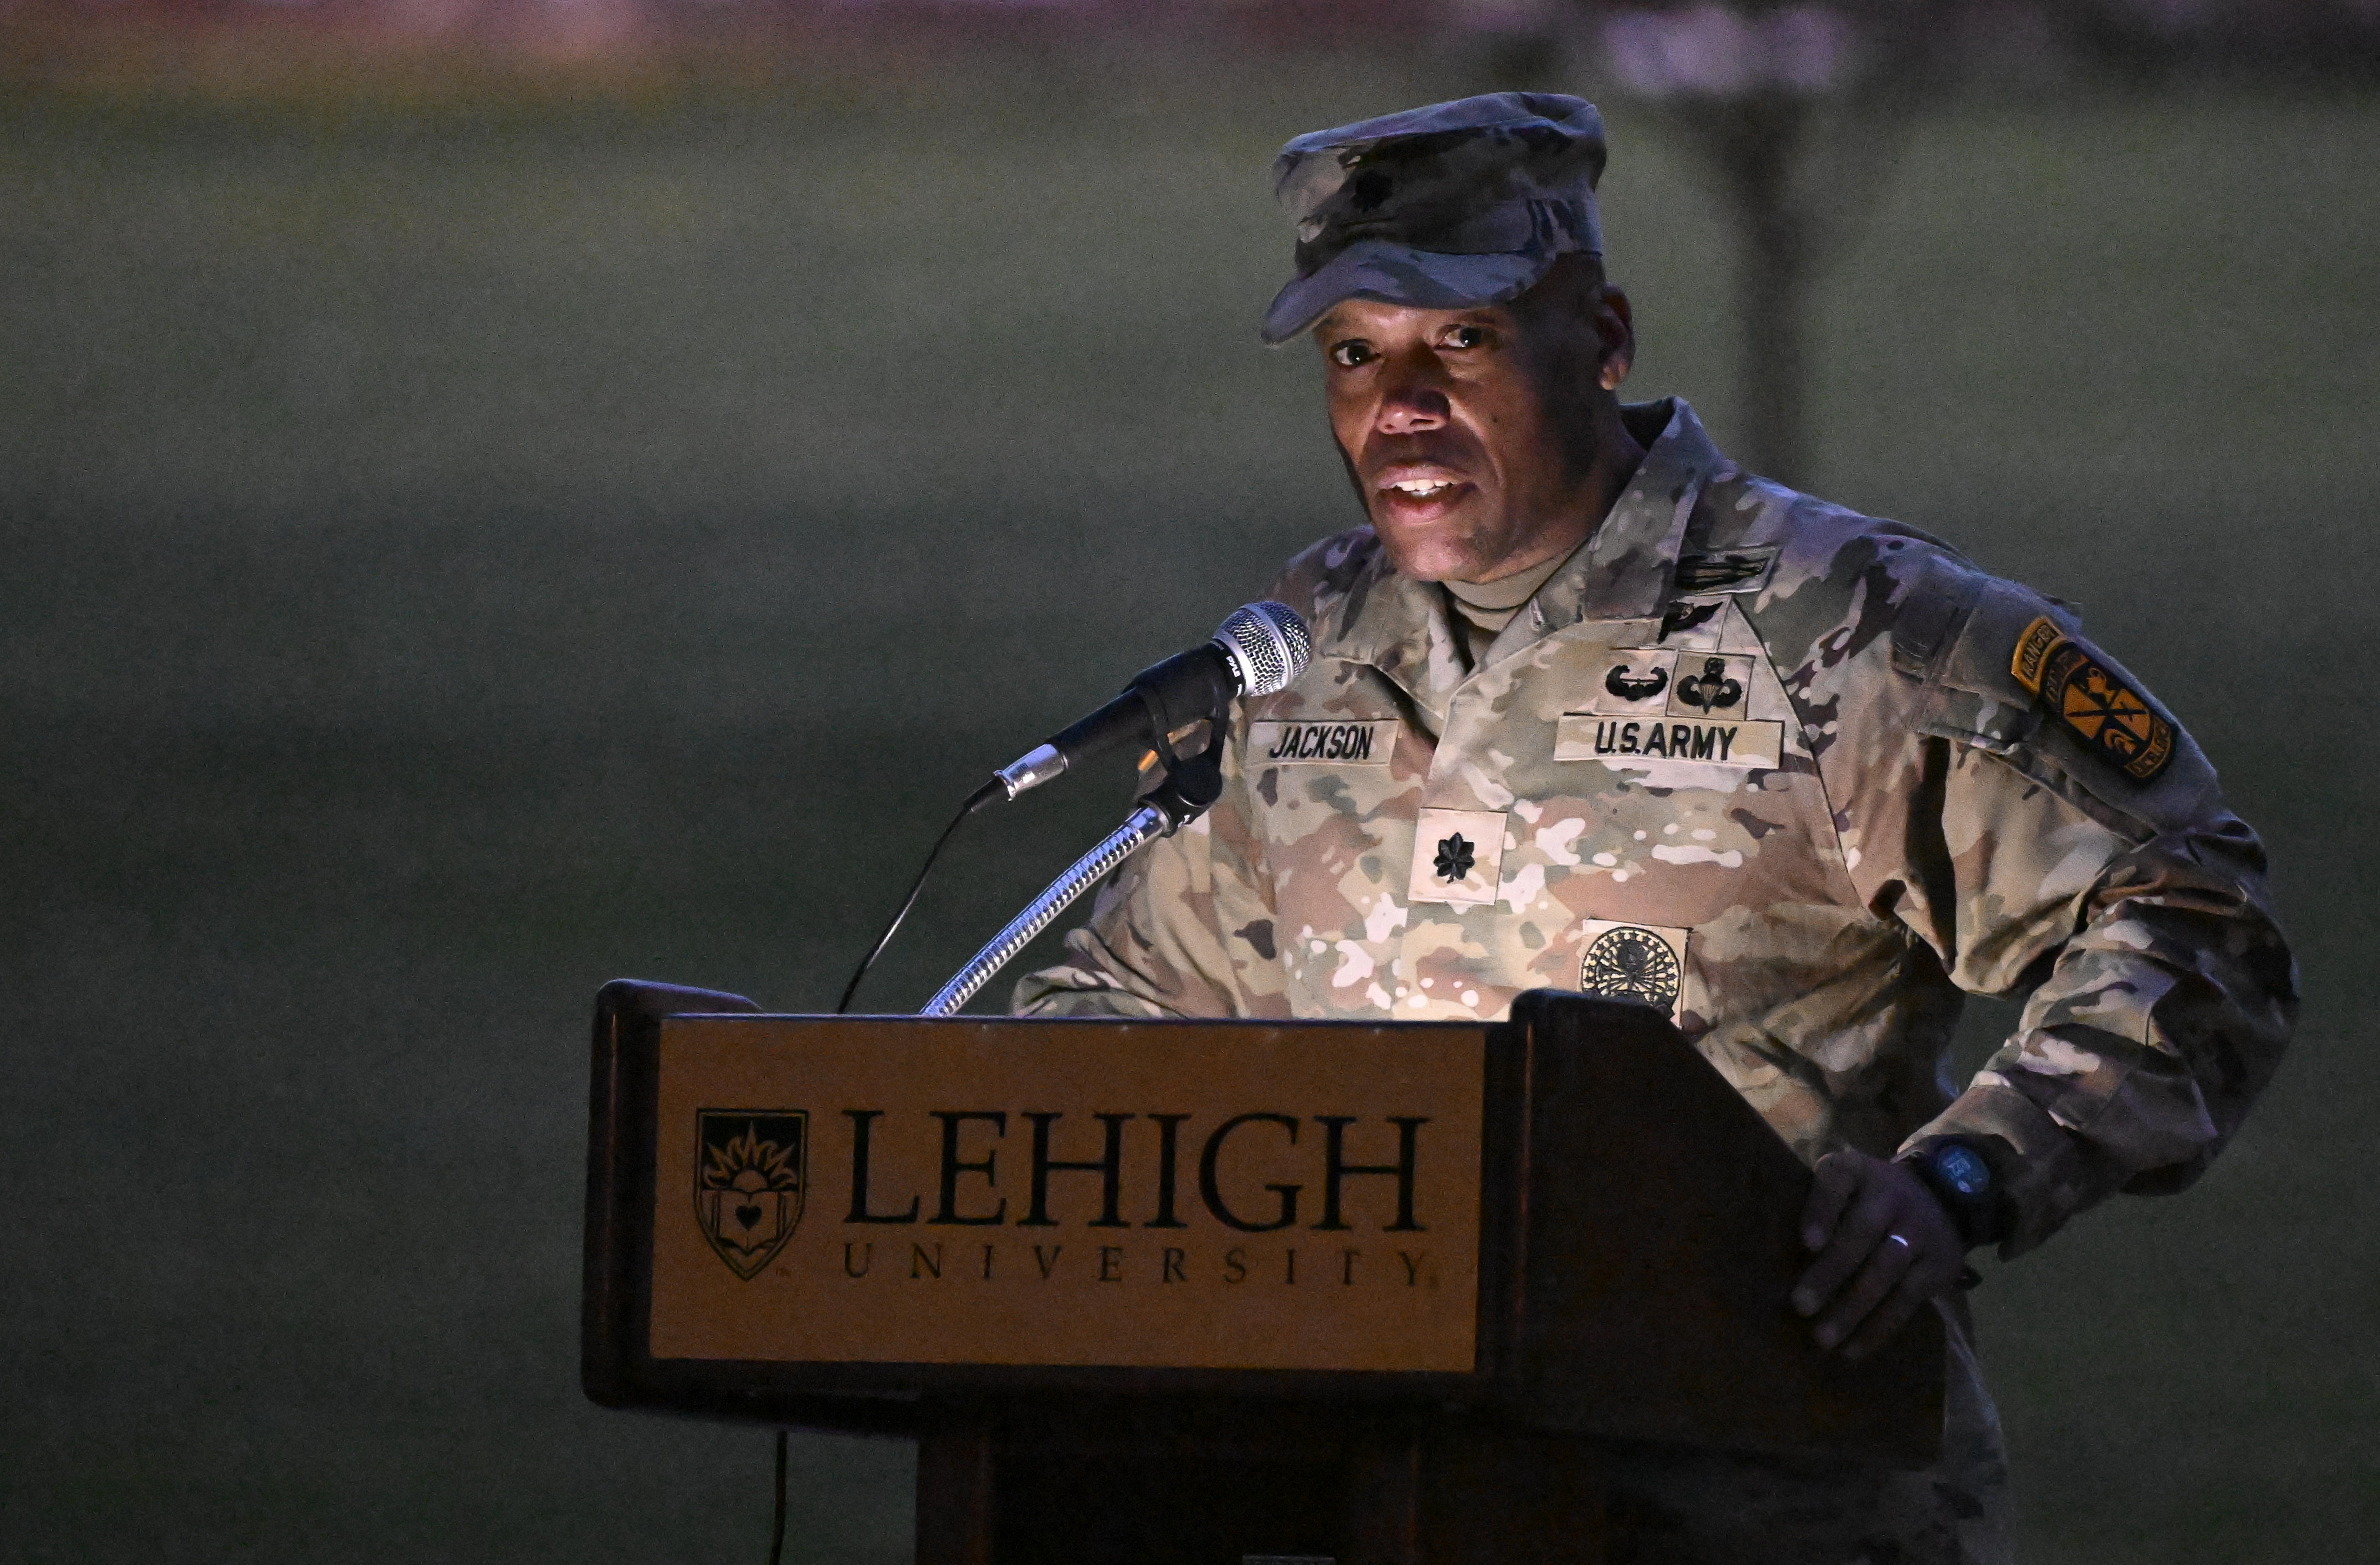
(1481, 608)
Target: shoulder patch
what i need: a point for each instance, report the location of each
(2081, 692)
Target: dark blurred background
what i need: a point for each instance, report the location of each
(501, 494)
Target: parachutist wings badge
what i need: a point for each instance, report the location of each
(750, 1166)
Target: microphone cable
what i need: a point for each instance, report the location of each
(992, 789)
(1258, 650)
(777, 1527)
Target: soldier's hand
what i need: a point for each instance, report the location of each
(1885, 1246)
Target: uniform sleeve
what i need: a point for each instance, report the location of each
(2065, 837)
(1182, 929)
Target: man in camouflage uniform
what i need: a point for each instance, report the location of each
(1591, 708)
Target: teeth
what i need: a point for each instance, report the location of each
(1422, 488)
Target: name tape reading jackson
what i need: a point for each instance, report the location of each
(1037, 1193)
(1339, 744)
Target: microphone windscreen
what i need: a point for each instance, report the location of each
(1267, 645)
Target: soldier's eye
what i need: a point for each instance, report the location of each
(1350, 354)
(1466, 336)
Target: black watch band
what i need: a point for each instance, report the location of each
(1960, 1177)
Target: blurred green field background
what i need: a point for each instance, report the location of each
(457, 553)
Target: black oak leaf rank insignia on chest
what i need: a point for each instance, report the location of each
(1457, 854)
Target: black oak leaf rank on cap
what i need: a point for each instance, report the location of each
(1444, 207)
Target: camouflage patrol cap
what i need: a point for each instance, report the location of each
(1455, 204)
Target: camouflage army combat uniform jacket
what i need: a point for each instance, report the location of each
(1797, 775)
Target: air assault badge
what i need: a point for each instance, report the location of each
(2084, 695)
(747, 1181)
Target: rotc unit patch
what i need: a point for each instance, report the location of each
(2087, 696)
(747, 1181)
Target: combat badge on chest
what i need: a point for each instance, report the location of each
(1661, 705)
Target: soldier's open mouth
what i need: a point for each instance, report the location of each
(1413, 492)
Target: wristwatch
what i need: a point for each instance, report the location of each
(1960, 1177)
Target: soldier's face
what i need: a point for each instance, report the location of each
(1470, 433)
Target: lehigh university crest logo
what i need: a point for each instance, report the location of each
(748, 1174)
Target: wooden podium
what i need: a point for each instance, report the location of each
(1215, 1291)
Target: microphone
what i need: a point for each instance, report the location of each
(1257, 650)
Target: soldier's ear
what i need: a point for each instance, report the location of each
(1615, 330)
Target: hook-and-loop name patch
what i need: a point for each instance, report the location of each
(1325, 744)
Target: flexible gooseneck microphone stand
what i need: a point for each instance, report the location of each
(1188, 790)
